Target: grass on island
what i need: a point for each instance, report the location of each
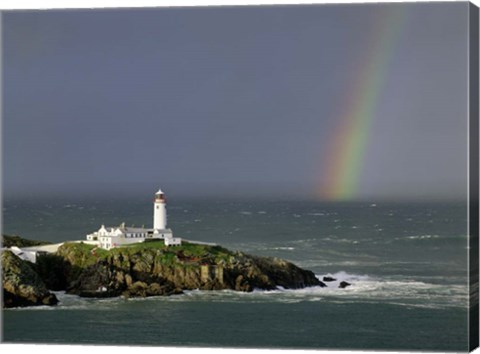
(149, 244)
(186, 253)
(17, 241)
(187, 250)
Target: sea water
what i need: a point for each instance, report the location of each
(407, 263)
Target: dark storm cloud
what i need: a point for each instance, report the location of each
(221, 101)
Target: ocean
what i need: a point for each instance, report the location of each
(407, 263)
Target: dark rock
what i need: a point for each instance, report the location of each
(141, 289)
(22, 286)
(90, 282)
(141, 271)
(149, 271)
(343, 284)
(97, 294)
(327, 278)
(51, 268)
(49, 299)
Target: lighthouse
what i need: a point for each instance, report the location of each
(159, 211)
(111, 237)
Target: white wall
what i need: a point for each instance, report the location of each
(159, 215)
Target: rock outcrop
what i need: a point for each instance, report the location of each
(152, 269)
(344, 284)
(328, 278)
(140, 270)
(22, 286)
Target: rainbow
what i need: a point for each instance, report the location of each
(340, 174)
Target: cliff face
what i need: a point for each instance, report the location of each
(153, 269)
(22, 286)
(145, 269)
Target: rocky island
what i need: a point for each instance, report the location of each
(143, 269)
(22, 286)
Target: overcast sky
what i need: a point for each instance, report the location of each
(229, 101)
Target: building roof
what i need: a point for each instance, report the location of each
(124, 228)
(131, 229)
(136, 229)
(159, 192)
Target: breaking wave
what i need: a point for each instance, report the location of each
(363, 289)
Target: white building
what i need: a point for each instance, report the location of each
(110, 237)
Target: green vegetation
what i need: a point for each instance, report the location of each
(169, 258)
(145, 245)
(17, 241)
(84, 255)
(186, 253)
(79, 254)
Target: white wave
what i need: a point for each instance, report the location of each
(31, 308)
(341, 240)
(399, 291)
(69, 301)
(66, 301)
(408, 291)
(422, 237)
(363, 288)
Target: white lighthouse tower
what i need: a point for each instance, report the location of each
(159, 211)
